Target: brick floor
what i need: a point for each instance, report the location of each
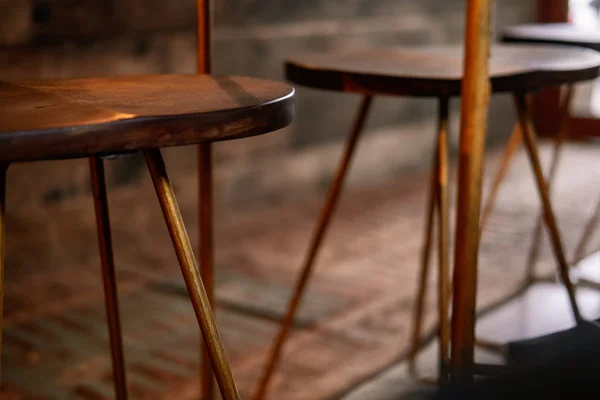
(354, 322)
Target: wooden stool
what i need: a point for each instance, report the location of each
(563, 34)
(75, 118)
(427, 72)
(101, 117)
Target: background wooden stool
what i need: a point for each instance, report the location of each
(426, 72)
(563, 34)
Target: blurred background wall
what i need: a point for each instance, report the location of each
(75, 38)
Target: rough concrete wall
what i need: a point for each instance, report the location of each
(67, 38)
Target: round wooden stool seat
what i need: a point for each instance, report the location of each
(555, 33)
(68, 118)
(437, 71)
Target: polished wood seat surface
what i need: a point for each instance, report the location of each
(67, 118)
(437, 71)
(555, 33)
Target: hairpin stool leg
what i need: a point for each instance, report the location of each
(108, 275)
(419, 304)
(559, 140)
(531, 146)
(443, 241)
(315, 244)
(509, 153)
(191, 274)
(588, 233)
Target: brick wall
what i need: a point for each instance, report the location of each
(66, 38)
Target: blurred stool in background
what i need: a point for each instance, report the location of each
(434, 72)
(567, 35)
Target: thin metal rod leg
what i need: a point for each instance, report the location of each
(3, 169)
(509, 153)
(510, 150)
(205, 213)
(531, 146)
(588, 233)
(315, 245)
(191, 274)
(419, 304)
(443, 241)
(559, 140)
(534, 250)
(437, 199)
(111, 298)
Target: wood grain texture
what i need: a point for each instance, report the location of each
(437, 71)
(51, 119)
(553, 33)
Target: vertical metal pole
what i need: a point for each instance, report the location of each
(205, 189)
(3, 168)
(475, 98)
(109, 279)
(206, 252)
(204, 36)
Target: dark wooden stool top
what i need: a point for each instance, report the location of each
(67, 118)
(437, 71)
(557, 33)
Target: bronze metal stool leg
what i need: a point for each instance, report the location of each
(3, 169)
(191, 274)
(206, 253)
(509, 153)
(590, 229)
(588, 232)
(446, 292)
(530, 142)
(443, 241)
(513, 145)
(315, 245)
(559, 140)
(419, 304)
(108, 275)
(437, 199)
